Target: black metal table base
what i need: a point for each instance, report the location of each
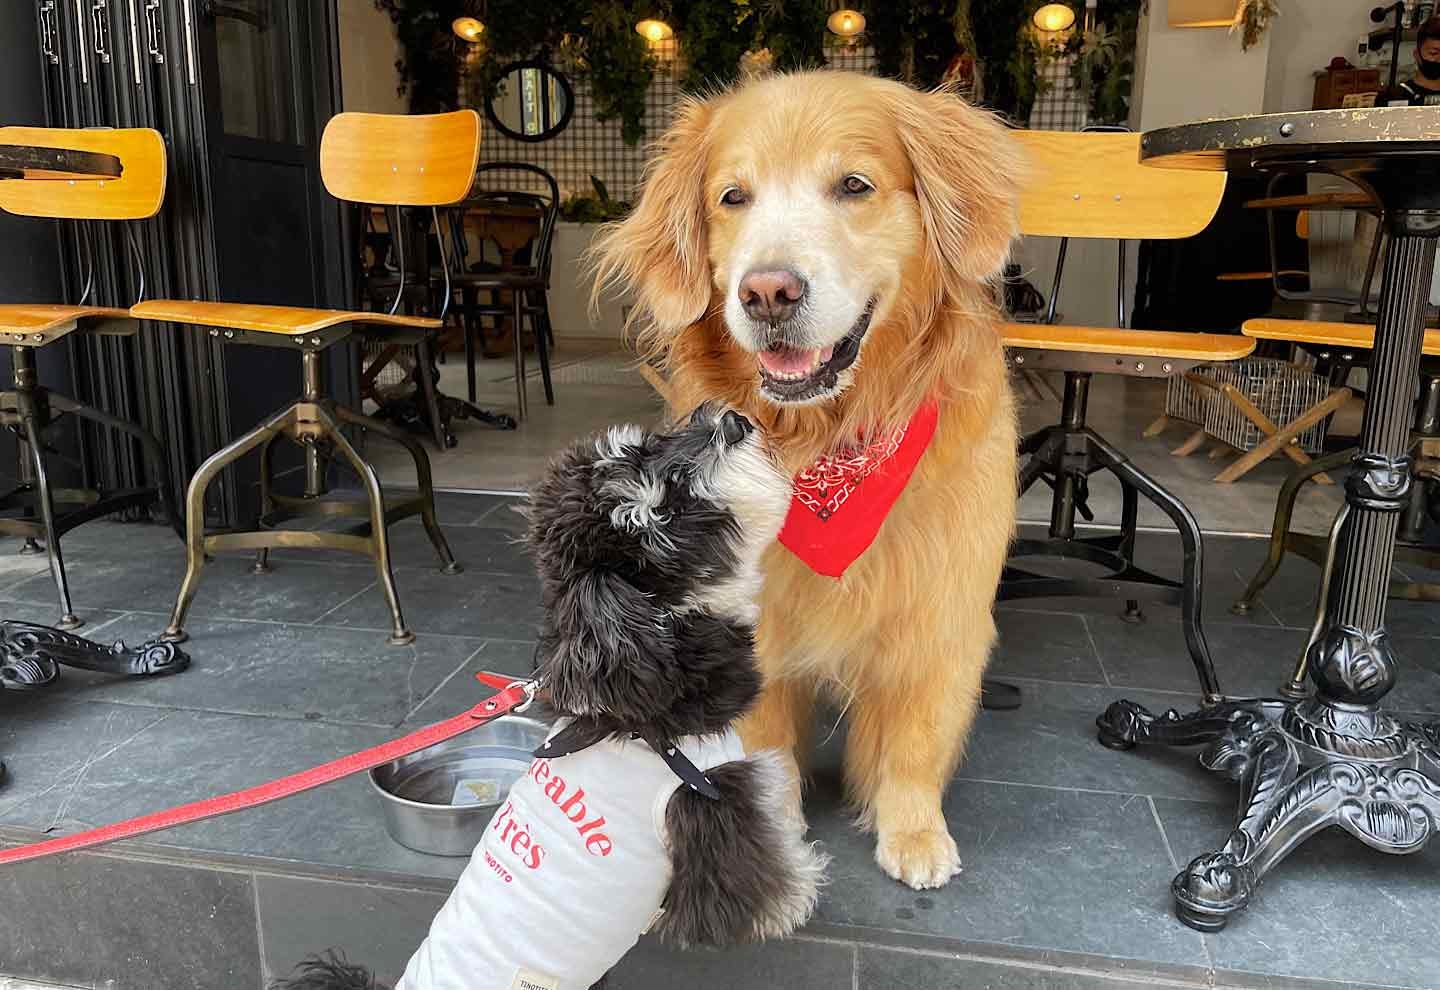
(1302, 766)
(31, 656)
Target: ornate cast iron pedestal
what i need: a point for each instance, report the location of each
(1334, 758)
(31, 657)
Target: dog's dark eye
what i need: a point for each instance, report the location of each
(855, 185)
(734, 196)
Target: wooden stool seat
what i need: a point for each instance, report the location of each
(287, 321)
(1109, 350)
(1357, 335)
(38, 324)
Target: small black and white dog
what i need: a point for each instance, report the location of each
(642, 811)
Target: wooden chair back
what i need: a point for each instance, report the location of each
(400, 159)
(1093, 185)
(135, 195)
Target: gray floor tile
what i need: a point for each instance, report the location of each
(292, 671)
(475, 603)
(99, 921)
(1054, 647)
(477, 548)
(1043, 868)
(378, 927)
(796, 963)
(193, 755)
(462, 691)
(148, 580)
(49, 615)
(1050, 740)
(1249, 660)
(51, 745)
(1317, 908)
(883, 970)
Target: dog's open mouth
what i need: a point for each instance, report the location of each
(794, 374)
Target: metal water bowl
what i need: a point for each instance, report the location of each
(441, 799)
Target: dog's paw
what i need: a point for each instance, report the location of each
(926, 858)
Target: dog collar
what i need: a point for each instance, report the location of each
(569, 740)
(839, 503)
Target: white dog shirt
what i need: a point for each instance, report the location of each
(570, 873)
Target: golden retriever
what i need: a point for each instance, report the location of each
(817, 250)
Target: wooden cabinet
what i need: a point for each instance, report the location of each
(1333, 85)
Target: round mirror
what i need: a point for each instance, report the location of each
(531, 102)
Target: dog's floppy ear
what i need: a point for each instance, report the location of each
(659, 250)
(606, 648)
(968, 172)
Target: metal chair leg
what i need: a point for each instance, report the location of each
(1192, 568)
(469, 328)
(195, 512)
(1284, 509)
(448, 563)
(424, 364)
(1129, 513)
(68, 618)
(267, 501)
(541, 323)
(522, 406)
(151, 445)
(400, 635)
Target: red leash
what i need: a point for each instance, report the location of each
(514, 696)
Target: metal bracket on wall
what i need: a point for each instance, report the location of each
(48, 39)
(99, 20)
(154, 36)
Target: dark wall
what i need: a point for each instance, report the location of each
(29, 251)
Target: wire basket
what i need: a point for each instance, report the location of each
(1278, 389)
(1186, 401)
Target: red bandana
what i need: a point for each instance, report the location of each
(839, 503)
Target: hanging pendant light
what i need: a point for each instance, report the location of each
(1054, 17)
(654, 31)
(846, 23)
(468, 28)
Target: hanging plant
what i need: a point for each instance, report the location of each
(915, 40)
(793, 31)
(714, 35)
(620, 67)
(1104, 67)
(431, 57)
(1255, 18)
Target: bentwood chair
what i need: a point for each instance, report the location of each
(30, 408)
(380, 159)
(527, 285)
(1093, 185)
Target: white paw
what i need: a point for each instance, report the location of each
(922, 859)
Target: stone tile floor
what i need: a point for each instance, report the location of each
(1068, 848)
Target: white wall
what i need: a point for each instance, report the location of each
(1186, 74)
(1305, 38)
(368, 49)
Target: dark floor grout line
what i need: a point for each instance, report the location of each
(439, 687)
(970, 955)
(259, 933)
(1094, 649)
(328, 626)
(173, 708)
(1164, 838)
(339, 605)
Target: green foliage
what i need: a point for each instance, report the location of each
(620, 65)
(593, 209)
(431, 56)
(914, 40)
(714, 34)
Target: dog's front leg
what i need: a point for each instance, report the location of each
(781, 720)
(908, 726)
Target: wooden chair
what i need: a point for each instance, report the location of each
(395, 160)
(1092, 185)
(1411, 545)
(30, 408)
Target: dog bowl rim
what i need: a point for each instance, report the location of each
(425, 805)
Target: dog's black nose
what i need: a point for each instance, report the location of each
(734, 427)
(771, 296)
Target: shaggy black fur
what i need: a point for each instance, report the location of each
(733, 877)
(617, 645)
(329, 971)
